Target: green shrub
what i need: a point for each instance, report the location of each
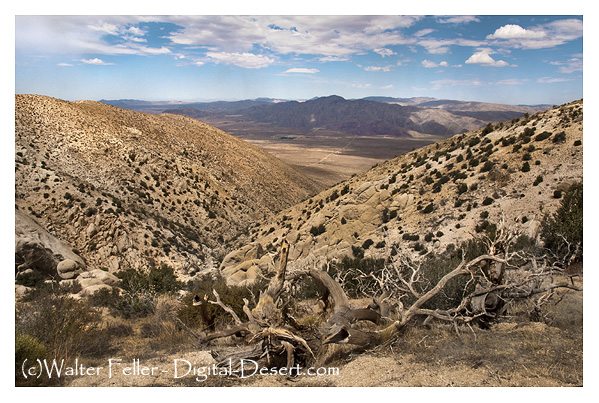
(357, 252)
(525, 167)
(428, 209)
(156, 280)
(562, 231)
(488, 129)
(538, 180)
(67, 328)
(212, 315)
(488, 201)
(487, 166)
(318, 230)
(559, 137)
(31, 349)
(367, 244)
(542, 136)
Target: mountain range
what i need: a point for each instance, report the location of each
(371, 116)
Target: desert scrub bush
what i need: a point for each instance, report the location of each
(208, 316)
(317, 230)
(428, 209)
(161, 328)
(488, 129)
(156, 280)
(559, 137)
(140, 289)
(488, 201)
(542, 136)
(67, 328)
(538, 180)
(562, 231)
(525, 167)
(104, 297)
(462, 188)
(367, 244)
(357, 252)
(31, 349)
(487, 166)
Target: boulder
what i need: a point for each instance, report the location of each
(37, 249)
(68, 269)
(95, 280)
(21, 290)
(97, 276)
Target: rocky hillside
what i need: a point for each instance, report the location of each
(431, 197)
(125, 189)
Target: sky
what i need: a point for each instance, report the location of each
(513, 59)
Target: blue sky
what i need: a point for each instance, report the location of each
(493, 58)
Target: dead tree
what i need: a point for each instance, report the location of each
(277, 340)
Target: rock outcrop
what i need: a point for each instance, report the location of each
(37, 249)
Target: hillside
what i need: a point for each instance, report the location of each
(432, 197)
(125, 189)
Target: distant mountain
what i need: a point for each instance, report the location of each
(372, 116)
(204, 107)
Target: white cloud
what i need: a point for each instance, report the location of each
(512, 81)
(64, 64)
(333, 59)
(302, 70)
(511, 31)
(245, 60)
(484, 59)
(361, 85)
(460, 19)
(105, 28)
(136, 31)
(384, 52)
(441, 46)
(423, 32)
(387, 87)
(336, 36)
(378, 68)
(551, 80)
(542, 36)
(96, 62)
(569, 66)
(430, 64)
(438, 84)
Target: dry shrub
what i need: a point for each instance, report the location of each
(65, 327)
(161, 328)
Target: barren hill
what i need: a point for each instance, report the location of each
(433, 197)
(128, 189)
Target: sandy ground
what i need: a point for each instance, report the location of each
(512, 353)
